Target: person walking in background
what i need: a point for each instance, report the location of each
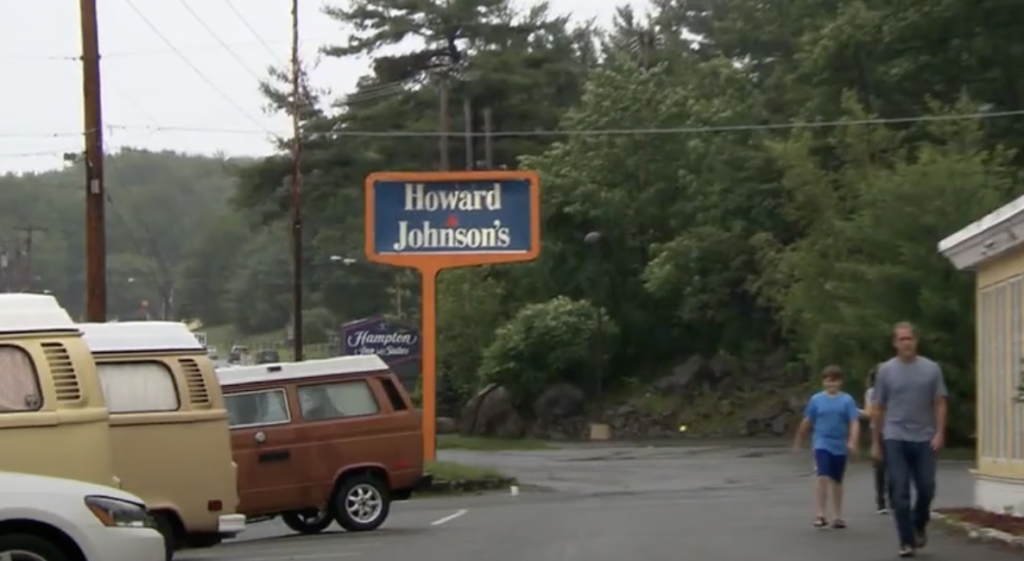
(908, 427)
(833, 419)
(881, 483)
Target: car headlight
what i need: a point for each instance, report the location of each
(117, 513)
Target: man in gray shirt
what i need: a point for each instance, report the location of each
(908, 421)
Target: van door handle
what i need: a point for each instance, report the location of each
(278, 456)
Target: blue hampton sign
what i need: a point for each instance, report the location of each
(452, 217)
(376, 336)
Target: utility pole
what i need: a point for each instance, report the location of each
(488, 138)
(467, 117)
(26, 255)
(95, 198)
(5, 266)
(442, 125)
(297, 339)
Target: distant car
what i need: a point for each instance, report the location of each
(52, 519)
(267, 356)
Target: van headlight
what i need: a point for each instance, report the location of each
(115, 513)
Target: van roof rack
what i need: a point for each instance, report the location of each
(285, 371)
(139, 336)
(28, 313)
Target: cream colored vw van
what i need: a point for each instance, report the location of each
(53, 420)
(169, 428)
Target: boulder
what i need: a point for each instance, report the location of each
(684, 377)
(447, 425)
(558, 402)
(491, 413)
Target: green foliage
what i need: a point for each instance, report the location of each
(548, 342)
(727, 227)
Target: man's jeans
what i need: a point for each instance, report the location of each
(910, 462)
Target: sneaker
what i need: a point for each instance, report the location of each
(820, 523)
(838, 524)
(906, 551)
(882, 510)
(922, 539)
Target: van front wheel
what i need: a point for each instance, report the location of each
(362, 503)
(307, 522)
(30, 547)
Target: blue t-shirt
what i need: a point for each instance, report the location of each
(830, 416)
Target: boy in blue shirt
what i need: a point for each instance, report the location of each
(834, 419)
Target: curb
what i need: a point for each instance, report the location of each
(443, 486)
(979, 533)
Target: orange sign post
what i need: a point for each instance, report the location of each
(431, 221)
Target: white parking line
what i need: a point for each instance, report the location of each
(449, 518)
(311, 557)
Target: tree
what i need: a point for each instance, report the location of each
(868, 258)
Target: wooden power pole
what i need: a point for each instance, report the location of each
(467, 115)
(488, 138)
(25, 245)
(443, 118)
(297, 335)
(95, 198)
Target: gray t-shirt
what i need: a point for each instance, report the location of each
(907, 391)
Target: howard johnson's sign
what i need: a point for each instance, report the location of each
(389, 340)
(446, 217)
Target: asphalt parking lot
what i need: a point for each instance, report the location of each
(724, 503)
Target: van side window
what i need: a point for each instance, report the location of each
(19, 385)
(337, 400)
(138, 387)
(250, 409)
(394, 396)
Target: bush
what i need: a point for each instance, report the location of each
(553, 341)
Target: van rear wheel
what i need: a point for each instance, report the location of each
(362, 503)
(307, 521)
(27, 547)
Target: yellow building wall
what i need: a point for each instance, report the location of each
(1000, 358)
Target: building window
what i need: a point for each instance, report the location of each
(1014, 371)
(253, 409)
(138, 387)
(336, 401)
(984, 372)
(1000, 361)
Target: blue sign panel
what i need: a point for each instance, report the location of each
(451, 217)
(376, 336)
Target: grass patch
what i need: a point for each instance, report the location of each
(451, 471)
(458, 442)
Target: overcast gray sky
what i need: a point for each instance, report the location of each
(168, 87)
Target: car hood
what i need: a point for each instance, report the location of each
(26, 483)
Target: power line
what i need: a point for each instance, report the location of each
(217, 38)
(40, 134)
(198, 72)
(252, 30)
(18, 155)
(625, 131)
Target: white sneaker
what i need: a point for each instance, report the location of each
(883, 511)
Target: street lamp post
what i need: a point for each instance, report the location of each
(593, 239)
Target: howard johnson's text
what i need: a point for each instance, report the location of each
(452, 217)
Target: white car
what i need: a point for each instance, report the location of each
(51, 519)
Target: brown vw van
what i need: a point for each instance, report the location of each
(322, 440)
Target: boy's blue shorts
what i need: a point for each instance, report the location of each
(832, 466)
